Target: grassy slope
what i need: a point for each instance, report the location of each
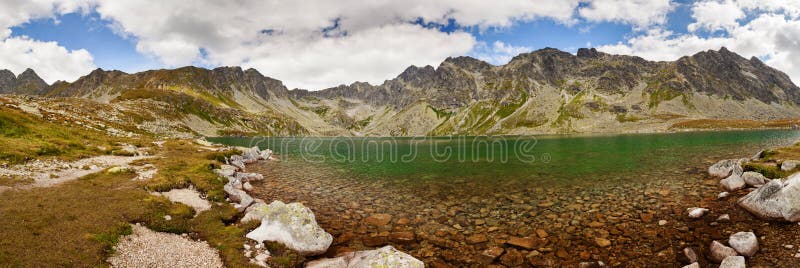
(24, 136)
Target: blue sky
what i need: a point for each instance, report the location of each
(316, 44)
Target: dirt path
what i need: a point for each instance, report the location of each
(50, 173)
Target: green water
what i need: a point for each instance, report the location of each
(533, 158)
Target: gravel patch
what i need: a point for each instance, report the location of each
(147, 248)
(190, 197)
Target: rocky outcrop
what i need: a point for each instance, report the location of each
(776, 200)
(386, 256)
(27, 83)
(292, 225)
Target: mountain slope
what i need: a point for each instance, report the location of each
(545, 91)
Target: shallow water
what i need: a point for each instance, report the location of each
(579, 190)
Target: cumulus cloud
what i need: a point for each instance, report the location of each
(498, 53)
(639, 13)
(316, 44)
(716, 15)
(51, 61)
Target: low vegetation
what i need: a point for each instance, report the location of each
(24, 137)
(85, 218)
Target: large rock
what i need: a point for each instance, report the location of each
(745, 243)
(251, 155)
(754, 178)
(724, 168)
(733, 262)
(718, 252)
(266, 154)
(732, 183)
(386, 256)
(226, 170)
(776, 200)
(292, 225)
(789, 165)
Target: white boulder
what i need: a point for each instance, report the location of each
(776, 200)
(789, 165)
(386, 256)
(732, 183)
(745, 243)
(695, 212)
(754, 178)
(724, 168)
(719, 252)
(266, 154)
(292, 225)
(733, 262)
(226, 170)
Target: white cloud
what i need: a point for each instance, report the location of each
(716, 15)
(498, 53)
(51, 61)
(374, 40)
(639, 13)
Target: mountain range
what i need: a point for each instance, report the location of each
(544, 91)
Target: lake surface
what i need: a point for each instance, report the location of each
(544, 201)
(540, 158)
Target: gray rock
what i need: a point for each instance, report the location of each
(266, 154)
(733, 262)
(724, 217)
(386, 256)
(789, 165)
(693, 265)
(292, 225)
(754, 178)
(732, 183)
(776, 200)
(723, 195)
(226, 170)
(725, 168)
(245, 177)
(718, 252)
(745, 243)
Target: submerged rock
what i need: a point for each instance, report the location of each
(386, 256)
(695, 212)
(719, 252)
(292, 225)
(732, 183)
(733, 262)
(745, 243)
(776, 200)
(725, 168)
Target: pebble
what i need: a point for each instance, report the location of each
(662, 222)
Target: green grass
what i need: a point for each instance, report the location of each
(24, 137)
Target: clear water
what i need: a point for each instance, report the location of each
(540, 158)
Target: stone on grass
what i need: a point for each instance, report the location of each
(719, 252)
(754, 178)
(776, 200)
(789, 165)
(732, 183)
(745, 243)
(733, 262)
(292, 225)
(117, 170)
(386, 256)
(189, 197)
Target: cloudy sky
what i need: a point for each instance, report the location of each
(315, 44)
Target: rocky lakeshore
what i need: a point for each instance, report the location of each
(462, 223)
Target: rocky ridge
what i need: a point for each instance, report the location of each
(544, 91)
